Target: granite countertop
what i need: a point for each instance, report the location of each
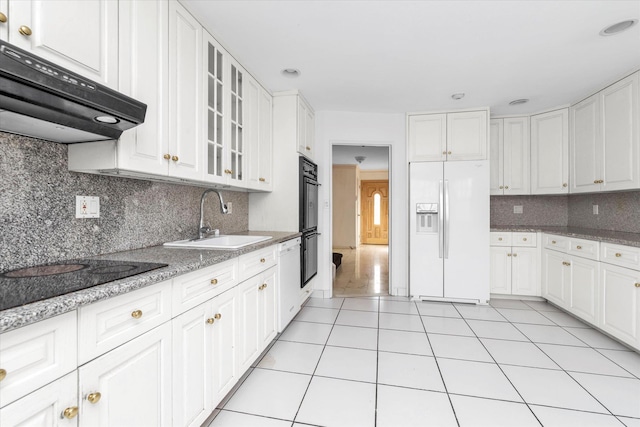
(617, 237)
(179, 260)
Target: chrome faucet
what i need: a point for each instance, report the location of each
(203, 230)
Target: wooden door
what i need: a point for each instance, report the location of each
(374, 215)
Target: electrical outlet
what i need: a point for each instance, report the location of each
(87, 207)
(595, 209)
(517, 209)
(229, 207)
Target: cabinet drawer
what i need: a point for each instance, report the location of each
(524, 239)
(192, 289)
(500, 238)
(584, 248)
(558, 243)
(254, 262)
(35, 355)
(107, 324)
(624, 256)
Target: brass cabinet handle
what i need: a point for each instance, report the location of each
(508, 254)
(228, 171)
(210, 320)
(262, 260)
(618, 254)
(578, 247)
(167, 156)
(553, 242)
(71, 412)
(566, 263)
(502, 187)
(524, 239)
(94, 397)
(26, 31)
(136, 314)
(515, 255)
(261, 179)
(308, 148)
(261, 287)
(218, 316)
(3, 374)
(637, 285)
(174, 158)
(444, 152)
(506, 187)
(499, 239)
(448, 152)
(3, 17)
(595, 181)
(214, 281)
(564, 185)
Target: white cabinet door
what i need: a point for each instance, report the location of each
(428, 137)
(583, 294)
(143, 75)
(248, 324)
(496, 156)
(524, 271)
(555, 277)
(193, 374)
(467, 135)
(134, 381)
(185, 91)
(265, 138)
(258, 135)
(586, 147)
(301, 131)
(225, 344)
(310, 133)
(268, 309)
(81, 36)
(45, 407)
(516, 156)
(550, 152)
(235, 153)
(620, 302)
(500, 270)
(620, 121)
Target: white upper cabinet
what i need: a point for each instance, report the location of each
(509, 142)
(306, 129)
(185, 93)
(81, 36)
(144, 75)
(258, 135)
(446, 137)
(604, 139)
(550, 152)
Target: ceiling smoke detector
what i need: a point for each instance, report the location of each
(618, 27)
(519, 101)
(457, 96)
(291, 72)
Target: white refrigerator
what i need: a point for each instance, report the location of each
(449, 231)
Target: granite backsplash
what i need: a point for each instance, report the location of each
(617, 211)
(37, 208)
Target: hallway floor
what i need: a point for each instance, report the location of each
(388, 361)
(364, 271)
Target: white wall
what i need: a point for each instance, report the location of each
(344, 128)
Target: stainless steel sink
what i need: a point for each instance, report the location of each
(219, 242)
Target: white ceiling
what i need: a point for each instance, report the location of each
(377, 158)
(401, 56)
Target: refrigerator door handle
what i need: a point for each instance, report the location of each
(446, 219)
(441, 223)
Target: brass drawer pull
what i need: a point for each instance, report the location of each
(502, 187)
(508, 254)
(136, 314)
(262, 260)
(515, 254)
(499, 239)
(211, 320)
(174, 158)
(71, 412)
(618, 254)
(3, 17)
(167, 156)
(218, 316)
(228, 171)
(26, 31)
(637, 285)
(524, 239)
(94, 397)
(308, 148)
(214, 281)
(444, 152)
(448, 152)
(3, 374)
(261, 287)
(564, 185)
(553, 242)
(578, 247)
(261, 179)
(566, 263)
(506, 187)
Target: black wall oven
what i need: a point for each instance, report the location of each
(308, 219)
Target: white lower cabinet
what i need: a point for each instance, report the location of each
(620, 303)
(130, 385)
(225, 337)
(54, 405)
(555, 277)
(514, 264)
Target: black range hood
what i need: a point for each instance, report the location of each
(42, 100)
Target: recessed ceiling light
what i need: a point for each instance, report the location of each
(457, 96)
(106, 119)
(519, 101)
(290, 72)
(619, 27)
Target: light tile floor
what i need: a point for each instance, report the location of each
(364, 271)
(387, 361)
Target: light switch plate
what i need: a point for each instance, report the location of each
(595, 209)
(87, 207)
(517, 209)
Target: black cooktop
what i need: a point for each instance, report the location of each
(31, 284)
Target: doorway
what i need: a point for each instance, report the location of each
(360, 220)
